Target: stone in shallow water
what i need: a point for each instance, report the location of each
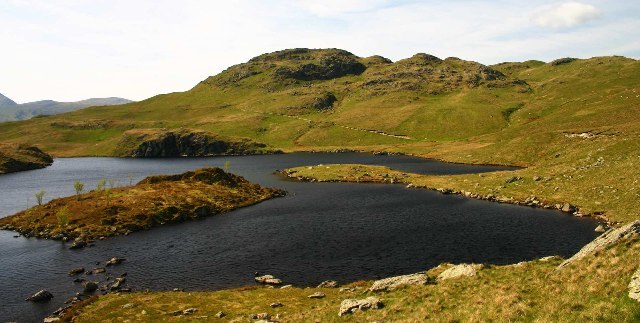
(40, 296)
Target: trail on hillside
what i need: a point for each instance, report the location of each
(373, 131)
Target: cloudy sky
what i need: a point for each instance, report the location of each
(69, 50)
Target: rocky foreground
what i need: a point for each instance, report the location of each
(17, 158)
(156, 200)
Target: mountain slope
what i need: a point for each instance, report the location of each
(6, 102)
(11, 111)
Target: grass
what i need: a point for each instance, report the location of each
(156, 200)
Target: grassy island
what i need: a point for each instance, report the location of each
(154, 201)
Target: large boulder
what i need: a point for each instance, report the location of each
(392, 283)
(605, 240)
(461, 270)
(349, 306)
(634, 286)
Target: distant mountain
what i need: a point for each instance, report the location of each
(6, 102)
(11, 111)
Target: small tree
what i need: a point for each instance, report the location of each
(227, 165)
(130, 176)
(79, 187)
(101, 184)
(112, 183)
(107, 193)
(63, 217)
(39, 195)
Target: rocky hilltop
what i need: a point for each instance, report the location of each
(16, 158)
(156, 200)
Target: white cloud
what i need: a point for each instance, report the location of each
(568, 14)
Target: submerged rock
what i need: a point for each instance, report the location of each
(349, 306)
(392, 283)
(605, 240)
(90, 287)
(40, 296)
(115, 261)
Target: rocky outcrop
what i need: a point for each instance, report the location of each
(634, 286)
(457, 271)
(392, 283)
(607, 239)
(185, 143)
(17, 158)
(349, 306)
(561, 61)
(326, 68)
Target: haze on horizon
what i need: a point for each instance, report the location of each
(69, 50)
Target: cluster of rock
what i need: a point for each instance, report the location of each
(89, 287)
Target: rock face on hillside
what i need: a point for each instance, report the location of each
(607, 239)
(329, 67)
(634, 286)
(16, 158)
(158, 143)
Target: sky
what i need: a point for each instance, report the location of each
(68, 50)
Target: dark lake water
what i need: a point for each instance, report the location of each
(319, 231)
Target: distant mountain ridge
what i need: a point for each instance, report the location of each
(12, 111)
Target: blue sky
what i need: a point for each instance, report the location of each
(68, 50)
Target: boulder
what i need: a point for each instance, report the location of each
(220, 315)
(78, 245)
(316, 295)
(51, 319)
(328, 284)
(605, 240)
(349, 306)
(268, 280)
(76, 271)
(40, 296)
(392, 283)
(118, 283)
(261, 316)
(634, 286)
(90, 287)
(276, 304)
(461, 270)
(600, 229)
(115, 261)
(568, 208)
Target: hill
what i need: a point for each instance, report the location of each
(11, 111)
